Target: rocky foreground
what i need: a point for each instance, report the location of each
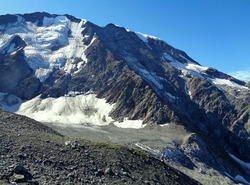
(31, 153)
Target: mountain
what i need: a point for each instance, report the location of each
(62, 69)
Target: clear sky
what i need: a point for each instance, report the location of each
(215, 33)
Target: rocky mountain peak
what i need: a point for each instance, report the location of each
(64, 69)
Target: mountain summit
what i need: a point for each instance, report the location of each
(61, 69)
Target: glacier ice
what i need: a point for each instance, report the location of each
(54, 45)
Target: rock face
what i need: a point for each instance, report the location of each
(146, 79)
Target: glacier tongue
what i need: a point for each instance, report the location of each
(74, 109)
(79, 109)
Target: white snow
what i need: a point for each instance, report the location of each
(241, 179)
(227, 174)
(187, 68)
(193, 68)
(68, 110)
(43, 73)
(238, 178)
(196, 68)
(5, 43)
(150, 77)
(167, 153)
(245, 165)
(165, 124)
(73, 93)
(170, 96)
(145, 37)
(147, 149)
(219, 81)
(144, 73)
(74, 108)
(126, 123)
(167, 57)
(11, 48)
(53, 45)
(185, 58)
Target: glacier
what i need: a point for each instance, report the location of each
(73, 109)
(54, 45)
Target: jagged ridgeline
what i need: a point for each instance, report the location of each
(64, 69)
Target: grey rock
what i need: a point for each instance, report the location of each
(20, 170)
(108, 171)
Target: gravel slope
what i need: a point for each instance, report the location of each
(31, 153)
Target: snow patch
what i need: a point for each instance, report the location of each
(186, 68)
(152, 78)
(245, 165)
(167, 57)
(43, 74)
(73, 93)
(11, 48)
(238, 178)
(170, 96)
(219, 81)
(126, 123)
(147, 149)
(5, 43)
(196, 68)
(163, 125)
(241, 179)
(193, 68)
(185, 58)
(145, 37)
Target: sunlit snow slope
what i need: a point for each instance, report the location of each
(54, 45)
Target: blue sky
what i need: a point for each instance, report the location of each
(215, 33)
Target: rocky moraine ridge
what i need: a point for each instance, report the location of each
(31, 153)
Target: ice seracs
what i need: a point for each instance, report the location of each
(54, 45)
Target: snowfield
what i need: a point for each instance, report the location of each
(54, 45)
(186, 68)
(73, 109)
(218, 81)
(193, 69)
(68, 110)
